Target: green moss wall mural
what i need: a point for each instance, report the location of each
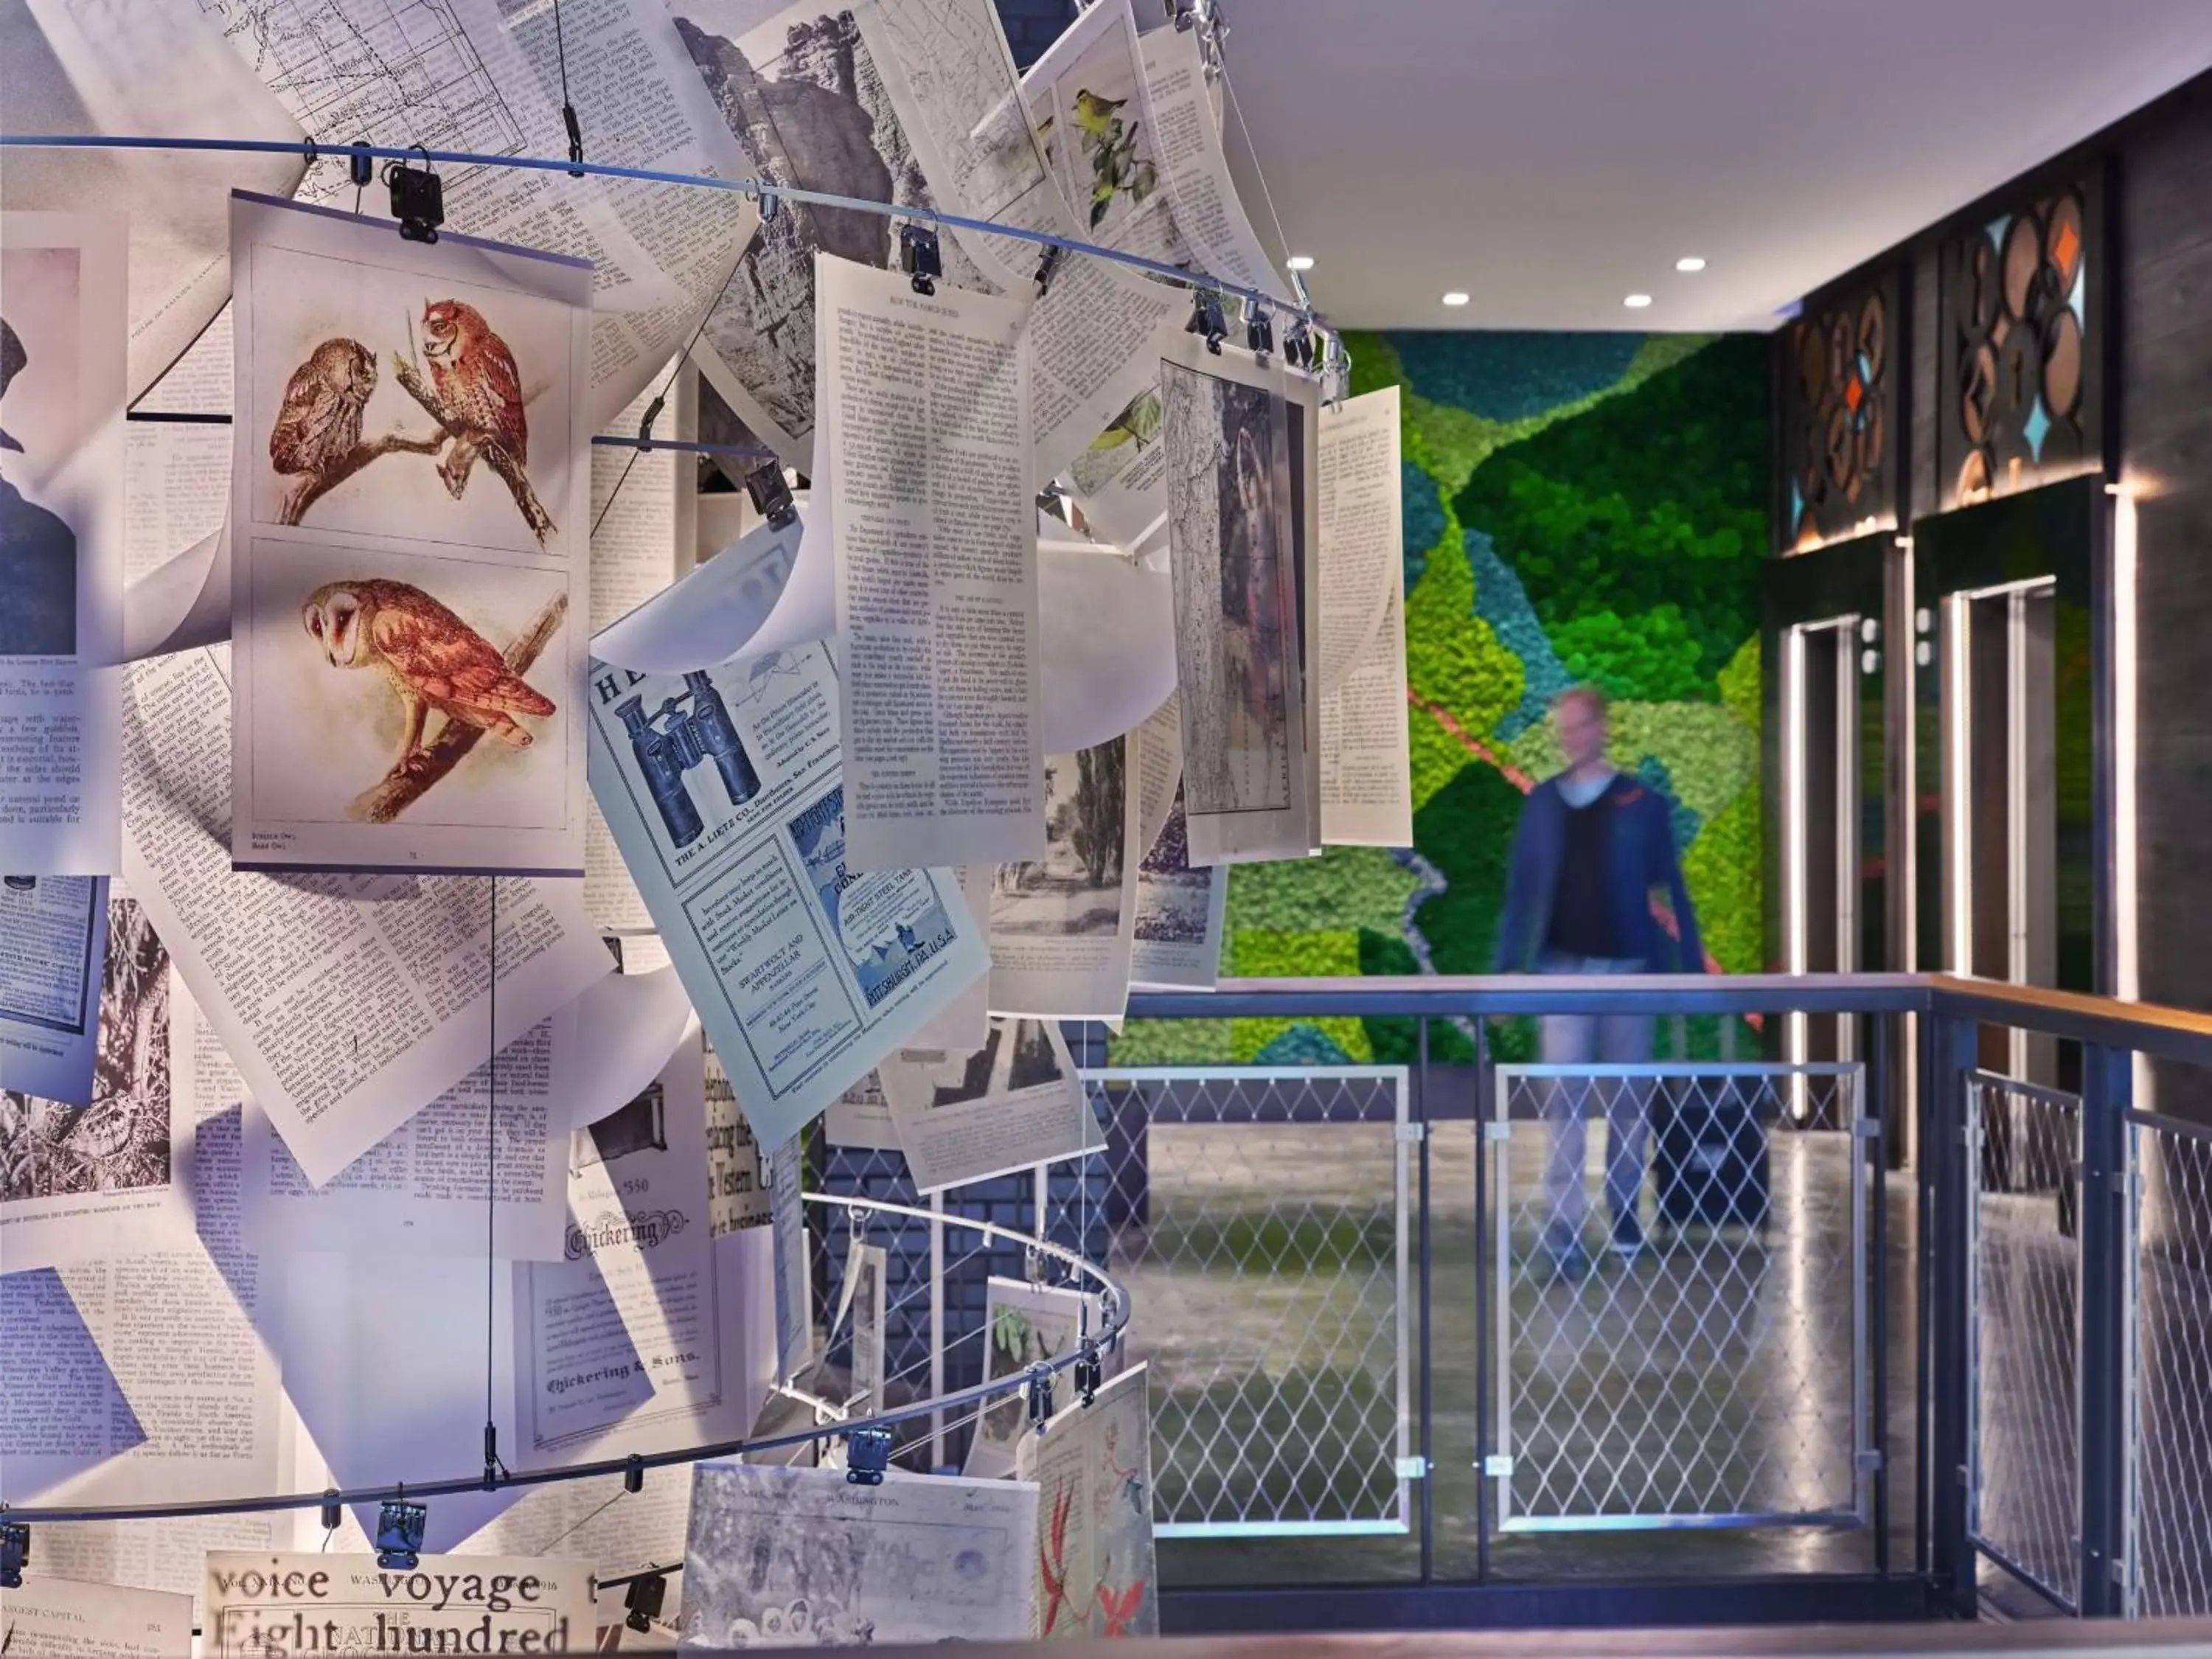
(1577, 507)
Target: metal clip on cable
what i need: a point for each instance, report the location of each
(418, 199)
(1259, 330)
(920, 257)
(1206, 319)
(1039, 1397)
(868, 1454)
(771, 495)
(14, 1551)
(399, 1529)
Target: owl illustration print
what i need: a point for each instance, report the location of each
(432, 660)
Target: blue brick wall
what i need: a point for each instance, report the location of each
(1033, 24)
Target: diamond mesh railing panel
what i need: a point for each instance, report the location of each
(2024, 1288)
(2173, 1368)
(1717, 1376)
(1258, 1221)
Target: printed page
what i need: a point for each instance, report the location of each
(61, 541)
(1107, 628)
(259, 1604)
(1121, 480)
(1367, 796)
(794, 1282)
(1016, 1102)
(933, 511)
(141, 1378)
(1023, 1324)
(963, 1021)
(427, 521)
(773, 590)
(1093, 334)
(346, 1014)
(176, 489)
(643, 509)
(618, 1532)
(1061, 927)
(1096, 1573)
(110, 1178)
(859, 1119)
(736, 1177)
(1095, 340)
(1301, 431)
(421, 1191)
(725, 791)
(1209, 218)
(1234, 550)
(486, 76)
(950, 77)
(54, 939)
(867, 1273)
(625, 1344)
(1180, 910)
(923, 1558)
(79, 69)
(801, 90)
(63, 1619)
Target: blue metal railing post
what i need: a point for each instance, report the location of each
(1485, 1373)
(2105, 1328)
(1876, 1110)
(1427, 1240)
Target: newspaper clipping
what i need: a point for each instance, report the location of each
(62, 342)
(1180, 910)
(784, 1556)
(261, 1604)
(63, 1619)
(1096, 1568)
(1238, 639)
(925, 475)
(1366, 783)
(1062, 926)
(1016, 1102)
(724, 789)
(465, 750)
(1022, 1324)
(53, 936)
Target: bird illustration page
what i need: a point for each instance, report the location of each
(724, 789)
(410, 499)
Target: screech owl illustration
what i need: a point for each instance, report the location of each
(474, 375)
(432, 658)
(320, 423)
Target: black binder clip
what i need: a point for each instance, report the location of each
(1090, 1370)
(399, 1529)
(645, 427)
(768, 200)
(361, 166)
(15, 1550)
(1046, 266)
(633, 1478)
(1259, 330)
(418, 199)
(868, 1454)
(575, 140)
(1298, 348)
(921, 257)
(1039, 1397)
(493, 1467)
(331, 1513)
(642, 1602)
(1206, 320)
(771, 495)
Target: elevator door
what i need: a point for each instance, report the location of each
(2001, 802)
(1824, 800)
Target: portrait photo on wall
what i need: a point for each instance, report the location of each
(411, 485)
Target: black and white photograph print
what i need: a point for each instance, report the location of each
(1172, 898)
(120, 1142)
(1076, 889)
(39, 421)
(1017, 1054)
(801, 93)
(1235, 593)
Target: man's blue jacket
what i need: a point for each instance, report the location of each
(1642, 843)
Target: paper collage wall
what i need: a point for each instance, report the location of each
(1576, 507)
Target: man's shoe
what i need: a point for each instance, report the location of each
(1627, 1237)
(1569, 1262)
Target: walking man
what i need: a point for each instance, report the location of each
(1592, 847)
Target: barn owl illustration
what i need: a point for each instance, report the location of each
(432, 658)
(474, 375)
(319, 422)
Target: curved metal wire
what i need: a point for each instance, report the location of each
(1114, 1316)
(757, 188)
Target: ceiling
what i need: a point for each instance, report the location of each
(1549, 157)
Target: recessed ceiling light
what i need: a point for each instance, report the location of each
(1300, 262)
(1689, 264)
(1454, 298)
(1636, 302)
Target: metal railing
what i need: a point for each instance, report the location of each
(1898, 1323)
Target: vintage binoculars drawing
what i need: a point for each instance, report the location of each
(672, 740)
